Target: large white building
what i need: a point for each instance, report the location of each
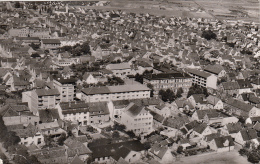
(84, 113)
(66, 87)
(137, 119)
(120, 69)
(41, 99)
(203, 78)
(112, 93)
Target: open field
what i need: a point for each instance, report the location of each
(232, 157)
(248, 10)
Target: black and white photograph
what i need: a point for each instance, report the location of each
(130, 82)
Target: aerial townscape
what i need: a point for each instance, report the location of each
(130, 81)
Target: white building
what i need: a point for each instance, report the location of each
(137, 119)
(112, 93)
(41, 99)
(203, 78)
(66, 87)
(120, 70)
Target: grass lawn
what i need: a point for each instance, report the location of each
(232, 157)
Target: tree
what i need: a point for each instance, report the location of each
(119, 127)
(115, 134)
(17, 4)
(139, 78)
(180, 149)
(61, 139)
(167, 96)
(147, 145)
(149, 85)
(179, 92)
(85, 48)
(195, 89)
(253, 157)
(208, 34)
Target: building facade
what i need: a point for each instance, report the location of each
(66, 87)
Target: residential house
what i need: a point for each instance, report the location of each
(138, 119)
(76, 148)
(41, 98)
(217, 70)
(201, 130)
(171, 81)
(240, 108)
(18, 114)
(252, 120)
(231, 129)
(245, 135)
(112, 93)
(199, 101)
(50, 43)
(84, 113)
(161, 153)
(222, 144)
(51, 129)
(130, 151)
(50, 155)
(214, 102)
(120, 69)
(116, 108)
(89, 78)
(244, 86)
(229, 88)
(30, 135)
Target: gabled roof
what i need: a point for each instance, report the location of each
(47, 92)
(239, 104)
(220, 141)
(199, 98)
(51, 41)
(213, 100)
(244, 83)
(159, 150)
(200, 128)
(198, 72)
(234, 127)
(135, 110)
(215, 69)
(248, 134)
(230, 85)
(119, 66)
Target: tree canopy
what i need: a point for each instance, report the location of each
(196, 89)
(167, 95)
(208, 34)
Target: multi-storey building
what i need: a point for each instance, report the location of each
(203, 78)
(137, 119)
(171, 81)
(84, 113)
(120, 70)
(41, 99)
(112, 93)
(66, 87)
(21, 32)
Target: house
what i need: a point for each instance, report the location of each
(112, 93)
(50, 155)
(50, 43)
(18, 114)
(137, 119)
(245, 135)
(244, 86)
(41, 98)
(84, 113)
(252, 120)
(30, 135)
(188, 128)
(76, 148)
(120, 69)
(171, 81)
(51, 129)
(199, 101)
(229, 88)
(203, 78)
(222, 144)
(201, 130)
(161, 153)
(231, 129)
(240, 108)
(217, 70)
(163, 110)
(130, 151)
(89, 78)
(116, 108)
